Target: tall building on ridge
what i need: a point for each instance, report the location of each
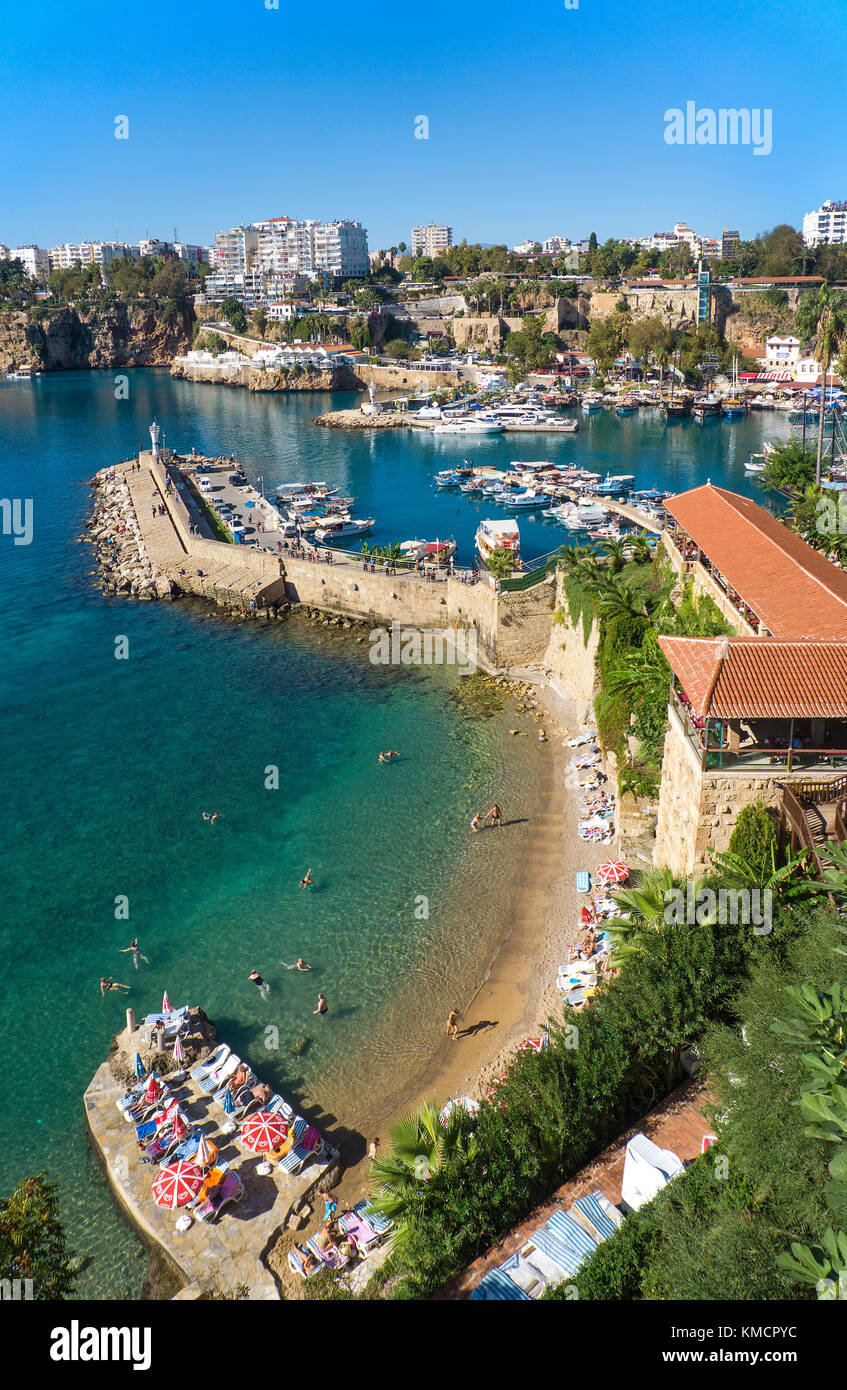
(730, 242)
(431, 240)
(826, 225)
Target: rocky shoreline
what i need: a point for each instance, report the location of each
(115, 537)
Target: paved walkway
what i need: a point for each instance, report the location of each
(679, 1125)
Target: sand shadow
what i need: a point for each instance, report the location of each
(474, 1028)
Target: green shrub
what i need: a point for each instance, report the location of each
(616, 1268)
(754, 839)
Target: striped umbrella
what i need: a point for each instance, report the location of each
(206, 1153)
(179, 1050)
(177, 1184)
(166, 1003)
(154, 1089)
(263, 1131)
(613, 871)
(140, 1069)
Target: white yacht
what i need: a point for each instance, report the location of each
(334, 527)
(476, 426)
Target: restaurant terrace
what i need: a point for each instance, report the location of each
(762, 576)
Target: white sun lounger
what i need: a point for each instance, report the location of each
(215, 1079)
(212, 1062)
(647, 1169)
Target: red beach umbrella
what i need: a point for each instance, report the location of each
(263, 1131)
(179, 1050)
(154, 1089)
(177, 1184)
(613, 871)
(179, 1129)
(206, 1153)
(166, 1003)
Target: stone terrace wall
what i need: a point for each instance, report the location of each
(573, 661)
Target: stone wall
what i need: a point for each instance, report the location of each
(698, 810)
(571, 660)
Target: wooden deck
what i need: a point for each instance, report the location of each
(679, 1125)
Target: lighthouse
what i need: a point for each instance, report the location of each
(155, 435)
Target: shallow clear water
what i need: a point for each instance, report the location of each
(108, 765)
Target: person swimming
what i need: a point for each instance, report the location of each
(299, 964)
(107, 984)
(388, 756)
(322, 1005)
(136, 952)
(262, 985)
(307, 881)
(210, 816)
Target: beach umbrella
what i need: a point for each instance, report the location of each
(154, 1089)
(206, 1153)
(179, 1050)
(177, 1184)
(166, 1003)
(532, 1044)
(179, 1128)
(613, 871)
(140, 1069)
(465, 1103)
(263, 1131)
(229, 1105)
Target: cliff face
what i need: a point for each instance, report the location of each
(118, 336)
(340, 378)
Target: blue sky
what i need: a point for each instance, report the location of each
(542, 120)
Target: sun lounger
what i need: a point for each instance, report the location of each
(220, 1197)
(133, 1096)
(614, 1213)
(525, 1274)
(582, 738)
(589, 1212)
(217, 1059)
(583, 881)
(277, 1105)
(570, 1233)
(360, 1231)
(308, 1147)
(170, 1017)
(551, 1270)
(163, 1147)
(381, 1224)
(215, 1079)
(562, 1255)
(497, 1287)
(297, 1263)
(158, 1120)
(249, 1080)
(331, 1256)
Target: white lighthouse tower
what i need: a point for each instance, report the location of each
(155, 435)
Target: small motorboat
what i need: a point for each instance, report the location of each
(334, 528)
(756, 463)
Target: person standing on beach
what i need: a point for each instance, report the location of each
(453, 1025)
(496, 816)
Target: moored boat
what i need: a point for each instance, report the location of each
(498, 535)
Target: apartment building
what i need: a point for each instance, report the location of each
(730, 244)
(826, 225)
(35, 261)
(431, 240)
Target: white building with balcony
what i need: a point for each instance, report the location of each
(431, 240)
(826, 225)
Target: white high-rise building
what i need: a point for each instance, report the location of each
(431, 240)
(35, 261)
(826, 225)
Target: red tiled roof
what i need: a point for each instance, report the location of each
(760, 677)
(794, 590)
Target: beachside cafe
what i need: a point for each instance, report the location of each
(760, 705)
(763, 577)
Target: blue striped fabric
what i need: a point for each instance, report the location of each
(595, 1215)
(572, 1235)
(552, 1247)
(498, 1286)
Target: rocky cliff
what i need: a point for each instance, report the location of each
(118, 335)
(340, 378)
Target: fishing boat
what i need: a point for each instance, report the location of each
(627, 406)
(23, 374)
(756, 463)
(611, 487)
(334, 528)
(579, 516)
(706, 405)
(591, 402)
(527, 500)
(735, 403)
(676, 407)
(498, 535)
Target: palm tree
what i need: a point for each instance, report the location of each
(570, 557)
(643, 675)
(823, 318)
(791, 881)
(645, 910)
(424, 1152)
(616, 554)
(639, 548)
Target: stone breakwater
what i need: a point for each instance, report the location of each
(118, 544)
(354, 420)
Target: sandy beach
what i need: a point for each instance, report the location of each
(518, 993)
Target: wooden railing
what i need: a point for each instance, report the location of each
(801, 835)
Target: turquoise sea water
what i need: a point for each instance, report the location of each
(108, 765)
